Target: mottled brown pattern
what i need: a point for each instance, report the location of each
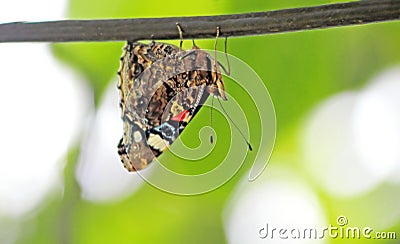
(158, 82)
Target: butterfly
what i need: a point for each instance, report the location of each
(162, 87)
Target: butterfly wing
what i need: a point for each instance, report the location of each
(136, 58)
(161, 90)
(179, 111)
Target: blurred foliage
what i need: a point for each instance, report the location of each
(299, 70)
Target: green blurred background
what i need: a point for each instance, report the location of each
(299, 69)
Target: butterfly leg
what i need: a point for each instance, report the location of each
(215, 48)
(180, 35)
(226, 56)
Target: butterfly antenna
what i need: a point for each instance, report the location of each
(211, 119)
(241, 133)
(215, 67)
(180, 34)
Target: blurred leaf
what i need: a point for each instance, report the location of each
(301, 68)
(98, 62)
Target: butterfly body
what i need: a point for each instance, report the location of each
(162, 88)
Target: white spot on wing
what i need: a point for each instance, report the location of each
(157, 142)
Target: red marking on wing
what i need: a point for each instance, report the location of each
(181, 117)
